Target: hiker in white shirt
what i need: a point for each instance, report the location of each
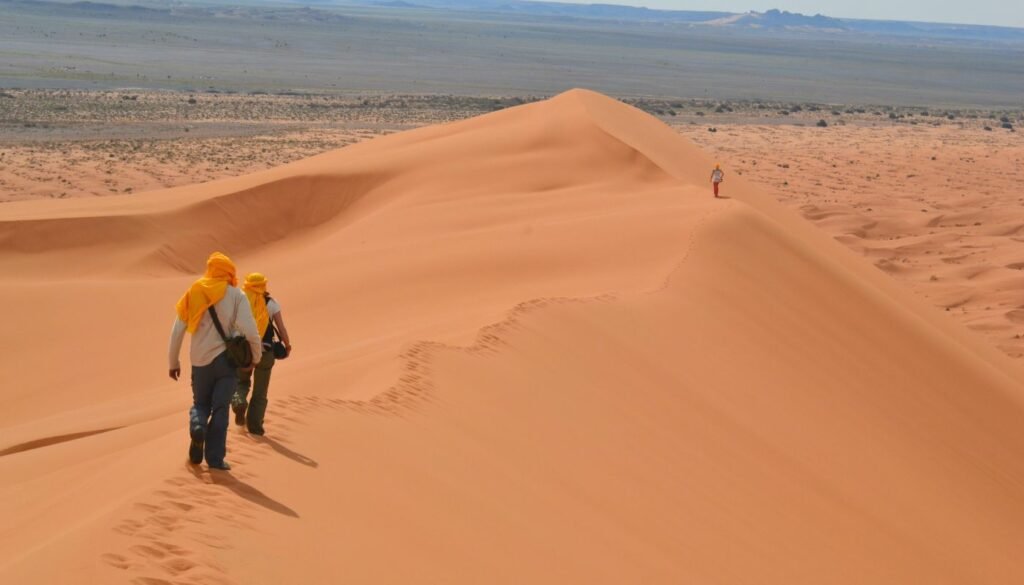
(717, 176)
(214, 374)
(269, 323)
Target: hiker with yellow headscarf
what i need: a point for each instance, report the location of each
(269, 322)
(212, 302)
(717, 176)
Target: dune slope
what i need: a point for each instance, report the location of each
(687, 390)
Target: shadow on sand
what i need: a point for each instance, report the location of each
(283, 450)
(244, 490)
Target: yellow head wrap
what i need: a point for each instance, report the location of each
(207, 291)
(255, 288)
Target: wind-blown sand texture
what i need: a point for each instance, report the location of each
(530, 347)
(939, 208)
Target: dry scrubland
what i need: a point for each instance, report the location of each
(75, 143)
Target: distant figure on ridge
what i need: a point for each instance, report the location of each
(717, 176)
(268, 323)
(212, 303)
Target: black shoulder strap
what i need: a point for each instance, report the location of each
(216, 323)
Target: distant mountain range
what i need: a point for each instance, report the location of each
(779, 19)
(769, 20)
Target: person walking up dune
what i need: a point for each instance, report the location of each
(717, 176)
(210, 304)
(265, 309)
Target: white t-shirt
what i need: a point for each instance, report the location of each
(717, 175)
(235, 316)
(273, 308)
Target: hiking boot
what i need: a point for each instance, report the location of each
(195, 449)
(257, 432)
(239, 413)
(195, 452)
(222, 466)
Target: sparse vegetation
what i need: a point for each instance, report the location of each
(257, 124)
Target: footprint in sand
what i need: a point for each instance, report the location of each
(117, 561)
(181, 521)
(151, 581)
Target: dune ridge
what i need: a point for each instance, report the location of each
(244, 213)
(925, 203)
(700, 390)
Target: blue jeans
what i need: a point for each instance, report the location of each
(212, 387)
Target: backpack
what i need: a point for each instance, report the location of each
(280, 351)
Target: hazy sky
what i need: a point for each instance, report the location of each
(998, 12)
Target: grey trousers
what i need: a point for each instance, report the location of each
(212, 387)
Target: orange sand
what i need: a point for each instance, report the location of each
(687, 390)
(937, 208)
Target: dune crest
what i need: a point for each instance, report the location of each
(688, 389)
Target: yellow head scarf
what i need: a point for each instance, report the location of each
(255, 288)
(207, 291)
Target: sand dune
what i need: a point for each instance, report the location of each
(530, 347)
(930, 205)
